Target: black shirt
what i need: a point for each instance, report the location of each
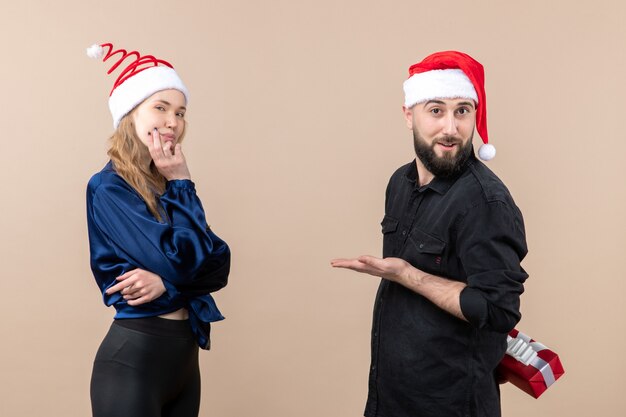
(426, 362)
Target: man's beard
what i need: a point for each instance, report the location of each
(447, 165)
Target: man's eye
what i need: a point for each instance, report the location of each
(435, 111)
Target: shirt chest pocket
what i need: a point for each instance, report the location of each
(425, 251)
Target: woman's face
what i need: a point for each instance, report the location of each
(165, 111)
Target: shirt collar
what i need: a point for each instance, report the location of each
(438, 184)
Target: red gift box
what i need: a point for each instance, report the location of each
(529, 365)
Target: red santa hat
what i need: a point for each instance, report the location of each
(142, 77)
(451, 74)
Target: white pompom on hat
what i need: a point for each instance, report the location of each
(451, 74)
(141, 78)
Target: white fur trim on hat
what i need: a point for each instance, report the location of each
(141, 86)
(446, 83)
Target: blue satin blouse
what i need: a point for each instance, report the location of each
(124, 235)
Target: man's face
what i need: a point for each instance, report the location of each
(442, 133)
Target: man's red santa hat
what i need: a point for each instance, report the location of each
(451, 74)
(142, 77)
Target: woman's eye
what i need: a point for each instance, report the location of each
(161, 108)
(181, 115)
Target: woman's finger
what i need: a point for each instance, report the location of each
(156, 148)
(126, 275)
(167, 149)
(141, 300)
(120, 286)
(131, 293)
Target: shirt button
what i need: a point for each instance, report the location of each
(374, 368)
(375, 334)
(404, 233)
(421, 246)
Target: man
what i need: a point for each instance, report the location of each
(453, 240)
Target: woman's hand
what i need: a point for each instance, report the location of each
(138, 287)
(171, 163)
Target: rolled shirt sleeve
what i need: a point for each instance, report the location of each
(492, 243)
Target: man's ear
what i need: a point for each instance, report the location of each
(408, 116)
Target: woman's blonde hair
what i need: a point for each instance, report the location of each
(127, 153)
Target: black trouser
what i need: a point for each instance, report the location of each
(146, 368)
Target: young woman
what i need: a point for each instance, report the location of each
(152, 254)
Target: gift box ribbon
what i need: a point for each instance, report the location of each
(523, 349)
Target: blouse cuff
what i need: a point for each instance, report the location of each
(181, 185)
(170, 289)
